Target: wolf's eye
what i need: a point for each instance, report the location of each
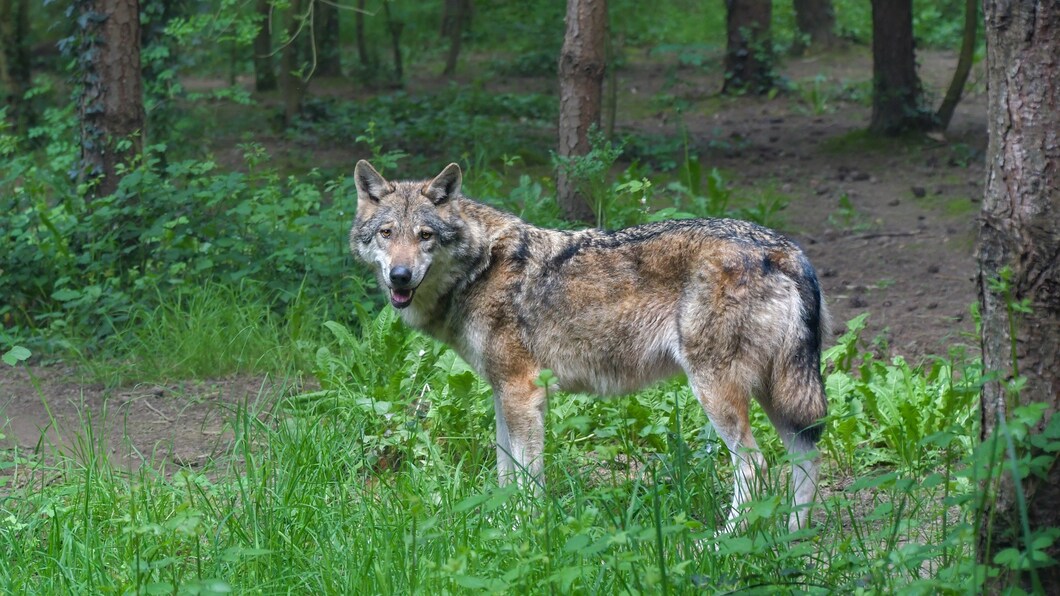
(384, 232)
(425, 235)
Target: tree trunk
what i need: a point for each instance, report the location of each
(581, 77)
(897, 97)
(815, 20)
(326, 38)
(358, 33)
(395, 27)
(1020, 233)
(111, 107)
(292, 84)
(455, 16)
(264, 71)
(749, 50)
(15, 74)
(964, 67)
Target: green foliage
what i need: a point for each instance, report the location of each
(450, 122)
(883, 414)
(532, 63)
(210, 331)
(589, 173)
(15, 355)
(382, 482)
(83, 267)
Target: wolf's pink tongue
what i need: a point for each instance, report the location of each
(401, 295)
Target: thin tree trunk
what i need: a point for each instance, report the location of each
(581, 75)
(326, 38)
(1020, 233)
(964, 66)
(111, 108)
(264, 70)
(15, 73)
(454, 20)
(395, 27)
(749, 51)
(292, 84)
(815, 20)
(897, 97)
(612, 85)
(358, 33)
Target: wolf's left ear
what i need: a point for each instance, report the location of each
(445, 185)
(370, 183)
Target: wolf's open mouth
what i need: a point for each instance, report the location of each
(401, 298)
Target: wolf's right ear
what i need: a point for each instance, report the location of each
(371, 186)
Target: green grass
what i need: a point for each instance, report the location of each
(211, 331)
(382, 482)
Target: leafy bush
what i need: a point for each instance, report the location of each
(449, 122)
(883, 414)
(72, 260)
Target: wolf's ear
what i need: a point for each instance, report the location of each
(444, 186)
(370, 184)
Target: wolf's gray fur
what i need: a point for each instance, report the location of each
(733, 305)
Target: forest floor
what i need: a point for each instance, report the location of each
(890, 226)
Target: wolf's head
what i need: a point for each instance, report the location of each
(404, 229)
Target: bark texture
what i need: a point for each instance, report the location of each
(815, 20)
(581, 77)
(749, 50)
(897, 97)
(1020, 230)
(111, 107)
(15, 74)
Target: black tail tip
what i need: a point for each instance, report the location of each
(812, 432)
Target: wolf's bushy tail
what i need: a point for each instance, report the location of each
(798, 394)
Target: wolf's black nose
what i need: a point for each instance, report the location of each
(400, 276)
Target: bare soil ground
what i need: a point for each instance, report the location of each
(890, 226)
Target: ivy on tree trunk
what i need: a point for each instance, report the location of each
(749, 50)
(111, 106)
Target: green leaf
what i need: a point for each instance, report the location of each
(471, 502)
(66, 295)
(577, 542)
(15, 355)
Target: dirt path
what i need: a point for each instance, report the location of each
(890, 227)
(44, 410)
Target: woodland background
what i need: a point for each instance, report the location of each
(206, 394)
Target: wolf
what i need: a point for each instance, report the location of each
(734, 306)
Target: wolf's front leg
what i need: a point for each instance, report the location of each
(520, 407)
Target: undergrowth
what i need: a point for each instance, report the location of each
(382, 481)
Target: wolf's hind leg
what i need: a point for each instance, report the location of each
(520, 409)
(726, 404)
